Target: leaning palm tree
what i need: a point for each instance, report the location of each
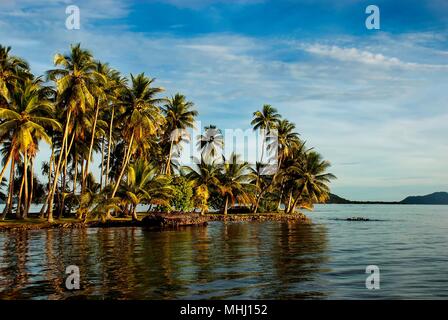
(265, 120)
(26, 119)
(145, 185)
(210, 144)
(204, 177)
(95, 205)
(311, 179)
(142, 117)
(179, 116)
(235, 182)
(76, 85)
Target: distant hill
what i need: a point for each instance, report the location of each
(433, 198)
(336, 199)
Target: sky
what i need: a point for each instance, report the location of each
(373, 102)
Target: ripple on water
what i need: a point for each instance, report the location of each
(270, 260)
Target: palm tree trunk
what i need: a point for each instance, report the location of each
(226, 205)
(262, 149)
(125, 162)
(82, 169)
(267, 187)
(50, 170)
(6, 165)
(127, 158)
(109, 143)
(102, 164)
(19, 200)
(134, 213)
(75, 170)
(8, 205)
(92, 141)
(294, 204)
(168, 163)
(281, 194)
(64, 180)
(58, 167)
(289, 203)
(31, 190)
(25, 176)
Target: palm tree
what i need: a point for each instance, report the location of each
(145, 185)
(204, 177)
(295, 156)
(94, 204)
(179, 116)
(210, 143)
(141, 118)
(76, 84)
(12, 70)
(26, 119)
(265, 120)
(284, 142)
(310, 179)
(235, 181)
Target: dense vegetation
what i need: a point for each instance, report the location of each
(84, 107)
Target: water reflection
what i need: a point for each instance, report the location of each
(223, 260)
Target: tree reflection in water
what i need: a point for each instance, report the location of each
(268, 260)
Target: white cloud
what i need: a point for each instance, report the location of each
(367, 57)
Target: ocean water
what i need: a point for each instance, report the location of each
(259, 260)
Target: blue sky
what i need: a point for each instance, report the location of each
(373, 102)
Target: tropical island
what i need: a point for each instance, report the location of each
(84, 107)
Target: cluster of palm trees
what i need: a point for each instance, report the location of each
(84, 107)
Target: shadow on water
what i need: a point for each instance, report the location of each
(224, 260)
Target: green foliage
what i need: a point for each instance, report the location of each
(182, 196)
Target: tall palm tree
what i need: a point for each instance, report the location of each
(265, 120)
(141, 118)
(179, 116)
(27, 118)
(311, 179)
(210, 144)
(235, 181)
(76, 86)
(204, 177)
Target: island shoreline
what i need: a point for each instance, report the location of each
(153, 220)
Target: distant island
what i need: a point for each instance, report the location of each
(436, 198)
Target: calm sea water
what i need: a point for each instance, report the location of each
(271, 260)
